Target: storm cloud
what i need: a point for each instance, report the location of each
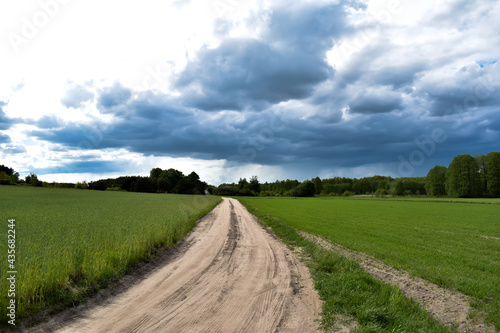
(286, 95)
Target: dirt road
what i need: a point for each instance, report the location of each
(234, 277)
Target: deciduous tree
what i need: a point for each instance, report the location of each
(436, 180)
(493, 174)
(462, 177)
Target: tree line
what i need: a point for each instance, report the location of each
(338, 186)
(465, 177)
(158, 181)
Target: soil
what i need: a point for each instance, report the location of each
(228, 275)
(448, 307)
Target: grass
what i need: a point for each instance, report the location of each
(347, 289)
(70, 243)
(453, 244)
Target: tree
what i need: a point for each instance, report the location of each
(143, 184)
(436, 180)
(462, 177)
(399, 187)
(8, 171)
(493, 174)
(481, 164)
(254, 184)
(155, 173)
(242, 183)
(305, 189)
(32, 179)
(82, 186)
(169, 180)
(318, 184)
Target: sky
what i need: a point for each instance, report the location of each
(235, 88)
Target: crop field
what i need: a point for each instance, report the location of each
(452, 243)
(72, 242)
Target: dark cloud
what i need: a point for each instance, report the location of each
(47, 122)
(286, 63)
(311, 28)
(4, 138)
(470, 88)
(76, 96)
(243, 74)
(113, 96)
(274, 100)
(375, 103)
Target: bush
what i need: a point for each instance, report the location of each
(380, 192)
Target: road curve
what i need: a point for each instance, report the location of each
(234, 277)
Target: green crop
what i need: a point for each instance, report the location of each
(70, 243)
(453, 244)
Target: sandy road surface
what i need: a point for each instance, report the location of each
(234, 277)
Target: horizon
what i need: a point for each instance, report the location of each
(232, 89)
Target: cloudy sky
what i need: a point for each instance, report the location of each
(234, 88)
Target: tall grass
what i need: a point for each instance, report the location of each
(70, 243)
(453, 244)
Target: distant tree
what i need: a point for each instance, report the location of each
(318, 184)
(8, 171)
(32, 179)
(399, 187)
(436, 180)
(185, 186)
(169, 180)
(15, 176)
(83, 185)
(254, 184)
(8, 176)
(193, 177)
(155, 173)
(383, 185)
(164, 185)
(481, 164)
(212, 190)
(143, 184)
(99, 185)
(493, 174)
(242, 183)
(305, 189)
(462, 177)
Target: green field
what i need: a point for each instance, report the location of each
(453, 244)
(70, 243)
